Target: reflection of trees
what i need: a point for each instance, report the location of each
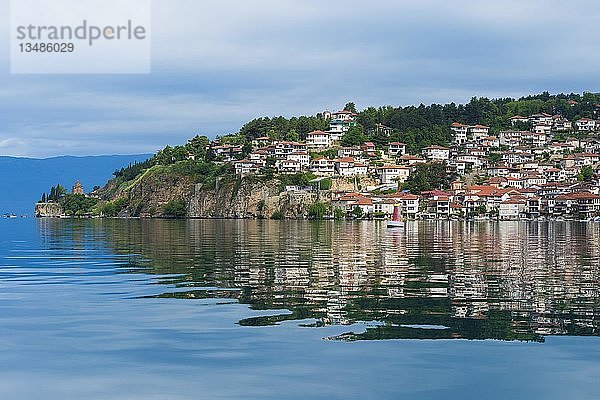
(431, 280)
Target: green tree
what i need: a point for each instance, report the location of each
(175, 209)
(78, 204)
(339, 214)
(354, 137)
(317, 210)
(427, 177)
(269, 169)
(357, 212)
(586, 174)
(197, 146)
(293, 135)
(494, 157)
(350, 107)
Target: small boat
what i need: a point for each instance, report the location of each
(396, 221)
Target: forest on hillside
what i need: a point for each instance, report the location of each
(417, 126)
(421, 126)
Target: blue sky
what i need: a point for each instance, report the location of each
(217, 64)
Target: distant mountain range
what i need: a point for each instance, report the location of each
(23, 180)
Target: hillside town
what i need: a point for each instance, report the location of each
(545, 167)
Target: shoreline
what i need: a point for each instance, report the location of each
(541, 220)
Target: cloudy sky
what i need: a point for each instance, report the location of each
(217, 64)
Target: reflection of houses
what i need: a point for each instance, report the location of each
(503, 281)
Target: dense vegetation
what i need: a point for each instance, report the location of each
(427, 177)
(78, 204)
(422, 126)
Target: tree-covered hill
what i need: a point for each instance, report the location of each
(417, 126)
(421, 126)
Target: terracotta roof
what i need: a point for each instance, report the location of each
(513, 201)
(364, 201)
(404, 196)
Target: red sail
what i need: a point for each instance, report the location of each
(396, 216)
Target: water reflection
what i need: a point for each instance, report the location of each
(435, 280)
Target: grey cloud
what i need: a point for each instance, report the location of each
(217, 64)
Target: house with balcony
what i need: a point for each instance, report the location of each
(460, 133)
(245, 167)
(287, 167)
(561, 124)
(382, 129)
(586, 125)
(300, 157)
(349, 167)
(541, 118)
(322, 166)
(518, 119)
(318, 140)
(410, 160)
(259, 156)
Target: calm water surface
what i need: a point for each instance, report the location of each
(298, 310)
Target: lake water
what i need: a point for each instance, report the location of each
(93, 309)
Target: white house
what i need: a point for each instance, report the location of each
(289, 167)
(318, 140)
(301, 157)
(258, 156)
(561, 124)
(511, 209)
(389, 174)
(586, 124)
(460, 132)
(322, 166)
(518, 119)
(437, 153)
(541, 118)
(542, 128)
(479, 131)
(349, 152)
(348, 167)
(244, 167)
(396, 148)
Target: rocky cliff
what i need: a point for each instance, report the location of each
(227, 197)
(49, 210)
